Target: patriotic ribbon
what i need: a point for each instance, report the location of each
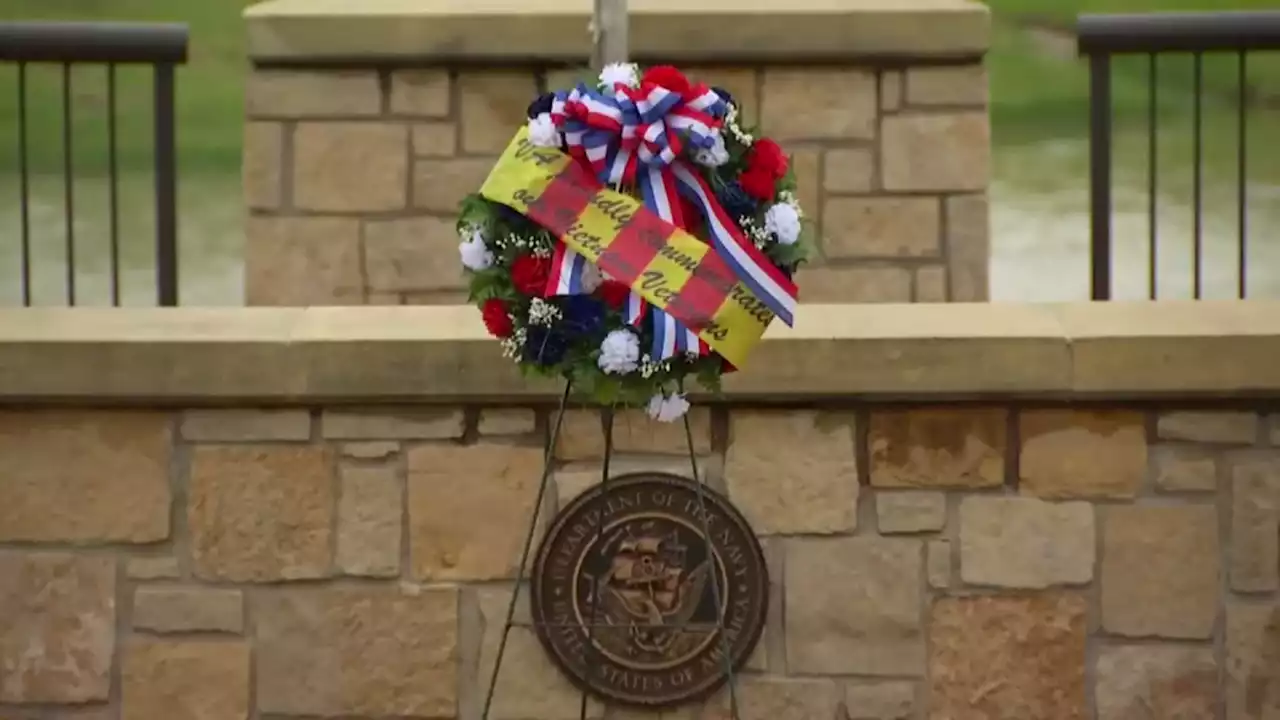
(668, 268)
(635, 136)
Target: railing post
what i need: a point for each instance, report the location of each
(1100, 175)
(166, 172)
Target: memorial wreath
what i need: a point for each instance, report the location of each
(634, 234)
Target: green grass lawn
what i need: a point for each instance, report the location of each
(1036, 95)
(210, 88)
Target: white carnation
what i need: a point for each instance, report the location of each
(620, 352)
(713, 156)
(591, 278)
(543, 132)
(474, 252)
(783, 220)
(667, 408)
(614, 73)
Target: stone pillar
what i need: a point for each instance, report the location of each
(367, 123)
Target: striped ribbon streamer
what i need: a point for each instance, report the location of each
(635, 136)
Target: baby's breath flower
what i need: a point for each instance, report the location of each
(512, 346)
(542, 312)
(758, 234)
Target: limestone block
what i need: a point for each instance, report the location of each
(818, 103)
(1253, 661)
(1152, 682)
(931, 284)
(910, 512)
(261, 172)
(793, 471)
(849, 170)
(357, 651)
(370, 449)
(806, 166)
(169, 609)
(1025, 543)
(890, 90)
(420, 92)
(245, 425)
(494, 104)
(58, 629)
(947, 85)
(1008, 658)
(185, 680)
(1184, 468)
(508, 421)
(152, 568)
(261, 512)
(412, 254)
(1254, 553)
(938, 563)
(439, 185)
(968, 247)
(779, 698)
(392, 423)
(1160, 571)
(857, 284)
(469, 509)
(889, 700)
(434, 139)
(940, 152)
(582, 434)
(302, 93)
(73, 476)
(350, 166)
(853, 606)
(1082, 454)
(937, 447)
(882, 227)
(369, 513)
(302, 261)
(1228, 428)
(529, 685)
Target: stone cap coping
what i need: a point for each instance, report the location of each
(524, 31)
(197, 356)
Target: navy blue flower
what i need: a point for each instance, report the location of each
(544, 345)
(583, 315)
(541, 105)
(736, 201)
(514, 221)
(724, 94)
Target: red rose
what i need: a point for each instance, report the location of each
(757, 183)
(768, 157)
(665, 76)
(496, 319)
(614, 293)
(529, 274)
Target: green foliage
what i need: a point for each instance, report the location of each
(510, 237)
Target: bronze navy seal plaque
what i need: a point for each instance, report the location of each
(623, 596)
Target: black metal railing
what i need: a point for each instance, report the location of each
(64, 45)
(1100, 38)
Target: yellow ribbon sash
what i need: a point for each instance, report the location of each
(665, 265)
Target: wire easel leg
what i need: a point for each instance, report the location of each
(595, 592)
(547, 457)
(716, 591)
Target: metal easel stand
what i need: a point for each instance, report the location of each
(547, 466)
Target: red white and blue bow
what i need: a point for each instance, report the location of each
(636, 136)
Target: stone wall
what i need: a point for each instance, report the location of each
(1036, 513)
(949, 562)
(359, 144)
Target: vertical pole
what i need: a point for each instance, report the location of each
(609, 33)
